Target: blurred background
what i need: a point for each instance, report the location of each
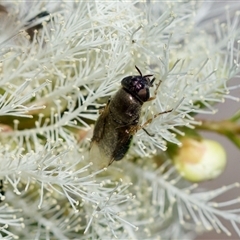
(225, 111)
(232, 172)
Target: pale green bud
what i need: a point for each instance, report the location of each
(200, 160)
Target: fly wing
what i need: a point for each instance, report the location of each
(100, 125)
(98, 158)
(122, 146)
(96, 155)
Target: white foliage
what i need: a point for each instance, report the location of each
(59, 78)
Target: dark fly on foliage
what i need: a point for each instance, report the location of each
(2, 190)
(38, 26)
(3, 9)
(119, 120)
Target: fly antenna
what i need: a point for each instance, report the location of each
(138, 70)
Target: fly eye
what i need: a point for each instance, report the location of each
(143, 94)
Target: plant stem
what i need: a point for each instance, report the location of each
(228, 128)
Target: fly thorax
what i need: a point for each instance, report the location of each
(125, 108)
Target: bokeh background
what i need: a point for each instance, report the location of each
(232, 172)
(225, 111)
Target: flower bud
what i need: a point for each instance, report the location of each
(200, 160)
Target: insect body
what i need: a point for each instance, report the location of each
(2, 191)
(119, 120)
(32, 29)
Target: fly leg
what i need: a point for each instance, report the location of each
(134, 129)
(155, 91)
(102, 109)
(156, 115)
